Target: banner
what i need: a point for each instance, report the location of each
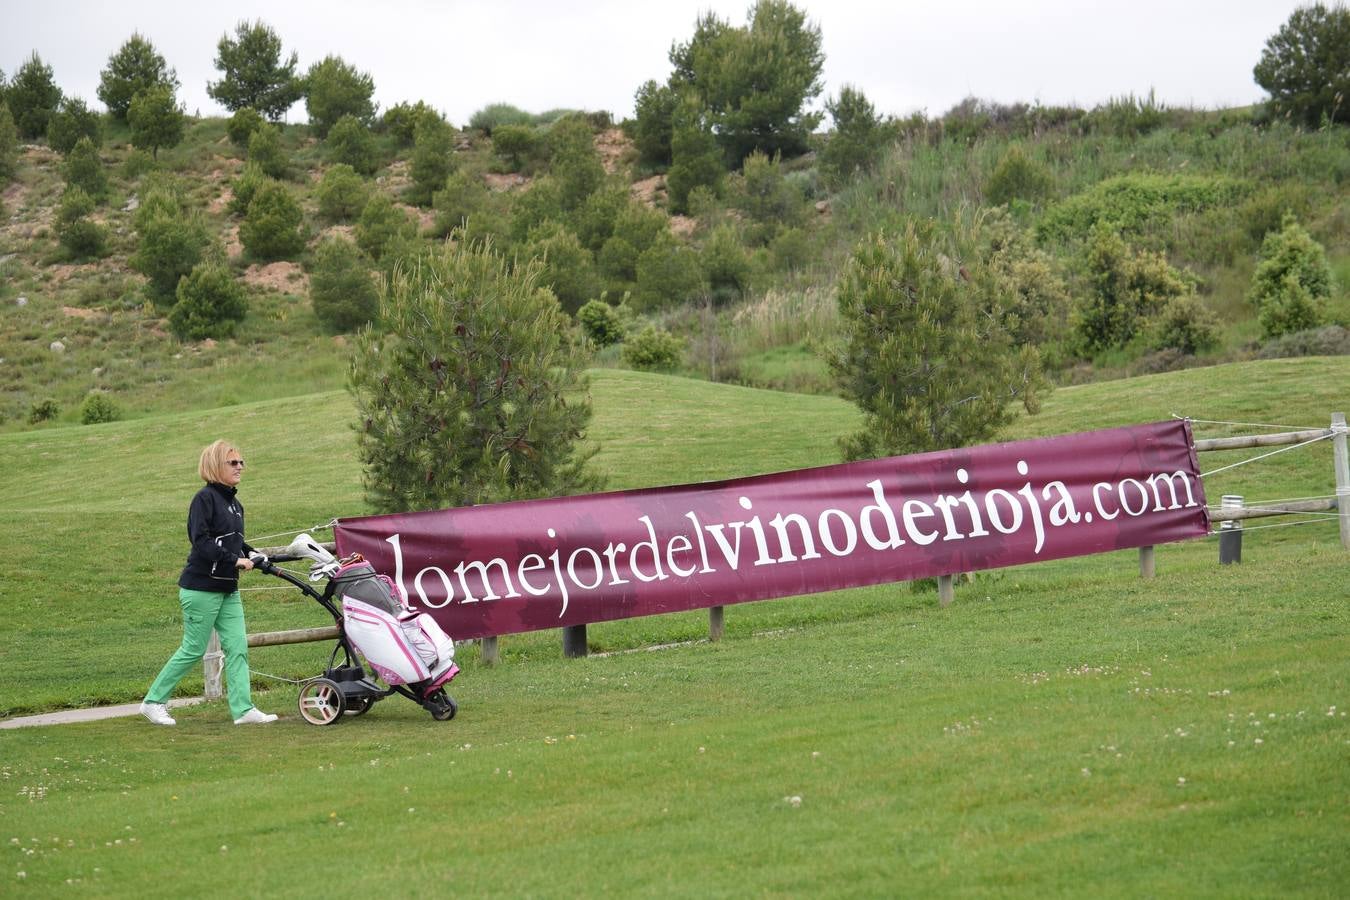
(510, 567)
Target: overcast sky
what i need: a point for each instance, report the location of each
(905, 55)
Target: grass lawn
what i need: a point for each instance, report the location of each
(1064, 728)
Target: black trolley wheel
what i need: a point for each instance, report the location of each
(358, 706)
(321, 701)
(441, 705)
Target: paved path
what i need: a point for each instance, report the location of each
(67, 716)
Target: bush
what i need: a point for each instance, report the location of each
(695, 159)
(1183, 324)
(33, 97)
(652, 350)
(463, 197)
(494, 115)
(244, 187)
(84, 170)
(1305, 66)
(341, 194)
(400, 120)
(668, 274)
(341, 287)
(253, 73)
(271, 229)
(74, 230)
(1127, 116)
(72, 121)
(1126, 286)
(156, 119)
(601, 322)
(266, 153)
(382, 224)
(351, 142)
(9, 144)
(242, 124)
(1330, 340)
(1292, 282)
(1137, 204)
(99, 408)
(334, 89)
(726, 265)
(650, 130)
(791, 250)
(1018, 178)
(43, 411)
(136, 164)
(171, 243)
(432, 160)
(858, 139)
(210, 303)
(516, 147)
(474, 390)
(574, 162)
(567, 267)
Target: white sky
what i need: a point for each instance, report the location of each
(594, 54)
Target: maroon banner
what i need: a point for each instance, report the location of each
(510, 567)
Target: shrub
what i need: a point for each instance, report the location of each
(463, 197)
(726, 265)
(618, 259)
(171, 244)
(334, 89)
(1137, 204)
(156, 119)
(695, 159)
(668, 274)
(242, 124)
(1329, 340)
(135, 67)
(541, 203)
(400, 120)
(341, 287)
(266, 153)
(350, 142)
(99, 408)
(765, 195)
(791, 250)
(516, 147)
(574, 161)
(43, 411)
(1018, 178)
(1183, 324)
(858, 138)
(567, 267)
(650, 130)
(244, 187)
(494, 115)
(1305, 66)
(9, 144)
(932, 365)
(601, 322)
(33, 97)
(341, 194)
(74, 229)
(210, 303)
(432, 160)
(474, 389)
(1292, 282)
(136, 164)
(271, 229)
(652, 350)
(84, 170)
(1127, 116)
(381, 224)
(1126, 286)
(72, 121)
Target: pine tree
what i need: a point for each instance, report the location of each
(134, 68)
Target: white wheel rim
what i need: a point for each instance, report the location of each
(316, 704)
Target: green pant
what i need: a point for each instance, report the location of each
(203, 611)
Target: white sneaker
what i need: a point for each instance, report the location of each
(255, 716)
(157, 713)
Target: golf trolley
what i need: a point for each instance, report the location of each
(407, 650)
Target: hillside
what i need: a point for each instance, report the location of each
(1202, 188)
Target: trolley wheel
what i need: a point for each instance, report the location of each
(358, 706)
(321, 701)
(442, 706)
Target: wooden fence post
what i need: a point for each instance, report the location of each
(211, 666)
(716, 623)
(1341, 460)
(1146, 563)
(488, 651)
(946, 590)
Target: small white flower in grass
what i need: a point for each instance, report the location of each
(794, 801)
(1258, 741)
(702, 749)
(1087, 773)
(1181, 781)
(412, 809)
(224, 848)
(21, 874)
(1232, 743)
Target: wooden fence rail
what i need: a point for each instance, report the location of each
(574, 638)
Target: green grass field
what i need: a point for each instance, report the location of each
(1064, 728)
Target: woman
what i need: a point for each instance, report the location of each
(208, 589)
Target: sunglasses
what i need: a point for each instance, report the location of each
(236, 463)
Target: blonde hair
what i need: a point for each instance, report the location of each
(211, 468)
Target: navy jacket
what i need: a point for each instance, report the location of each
(215, 528)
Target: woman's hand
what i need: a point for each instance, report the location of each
(243, 563)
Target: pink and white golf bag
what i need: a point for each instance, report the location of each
(401, 645)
